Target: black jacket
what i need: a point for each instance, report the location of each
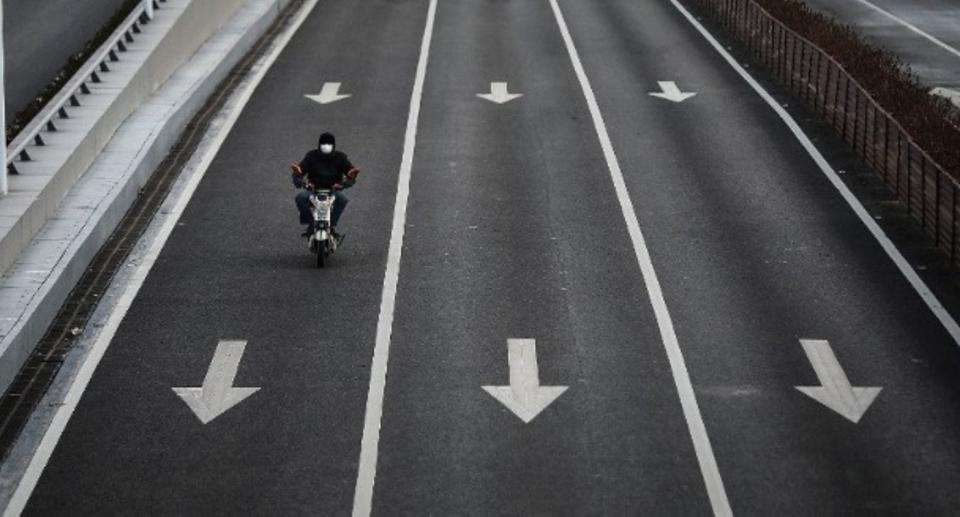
(326, 170)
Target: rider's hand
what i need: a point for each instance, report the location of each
(337, 186)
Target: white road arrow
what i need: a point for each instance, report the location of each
(524, 396)
(499, 94)
(218, 394)
(329, 93)
(948, 93)
(835, 390)
(671, 92)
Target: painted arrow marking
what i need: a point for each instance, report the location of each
(835, 390)
(947, 93)
(524, 396)
(218, 394)
(671, 92)
(499, 94)
(329, 93)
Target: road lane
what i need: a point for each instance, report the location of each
(756, 250)
(888, 23)
(235, 269)
(514, 231)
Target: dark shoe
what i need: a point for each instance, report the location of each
(308, 231)
(338, 237)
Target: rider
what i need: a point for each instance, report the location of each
(324, 168)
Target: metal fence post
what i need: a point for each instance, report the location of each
(4, 189)
(923, 192)
(887, 148)
(819, 96)
(953, 222)
(856, 118)
(936, 207)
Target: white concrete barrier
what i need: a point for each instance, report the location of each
(176, 32)
(98, 201)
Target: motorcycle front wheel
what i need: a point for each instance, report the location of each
(321, 254)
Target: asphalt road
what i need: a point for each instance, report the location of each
(937, 64)
(514, 230)
(38, 38)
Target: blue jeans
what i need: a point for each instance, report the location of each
(303, 205)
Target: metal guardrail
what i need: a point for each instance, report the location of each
(71, 95)
(919, 182)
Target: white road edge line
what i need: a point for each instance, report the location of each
(905, 268)
(52, 435)
(912, 27)
(370, 443)
(688, 399)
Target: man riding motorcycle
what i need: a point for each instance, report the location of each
(323, 168)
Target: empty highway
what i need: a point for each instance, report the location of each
(588, 270)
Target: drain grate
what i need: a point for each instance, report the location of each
(38, 373)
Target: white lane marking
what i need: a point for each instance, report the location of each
(194, 172)
(499, 93)
(905, 268)
(217, 394)
(329, 93)
(835, 390)
(912, 27)
(370, 443)
(524, 396)
(688, 399)
(671, 92)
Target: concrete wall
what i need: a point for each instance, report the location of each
(38, 201)
(189, 96)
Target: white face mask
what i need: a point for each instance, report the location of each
(326, 148)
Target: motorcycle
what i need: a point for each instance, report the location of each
(323, 242)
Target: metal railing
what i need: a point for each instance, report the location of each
(920, 183)
(71, 95)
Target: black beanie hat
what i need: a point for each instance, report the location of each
(327, 138)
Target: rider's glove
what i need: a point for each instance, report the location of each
(297, 175)
(350, 178)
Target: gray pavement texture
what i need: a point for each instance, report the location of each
(514, 231)
(939, 18)
(38, 38)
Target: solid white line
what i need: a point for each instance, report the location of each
(905, 268)
(688, 399)
(912, 27)
(52, 436)
(370, 443)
